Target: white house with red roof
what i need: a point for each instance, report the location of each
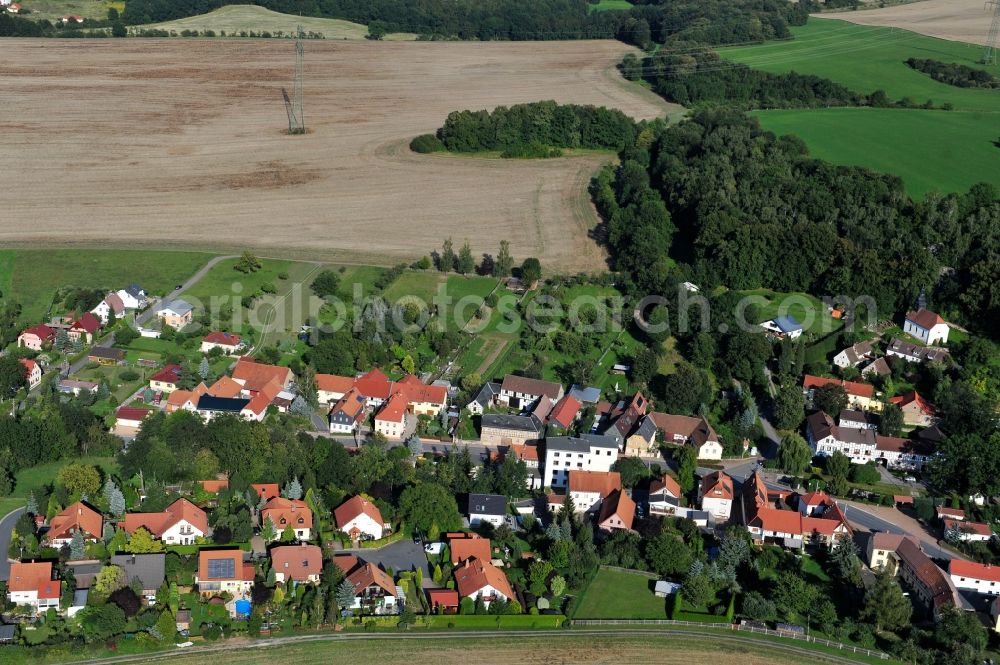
(973, 576)
(966, 531)
(32, 372)
(589, 488)
(285, 513)
(348, 413)
(818, 521)
(617, 512)
(926, 326)
(166, 379)
(111, 303)
(129, 416)
(228, 342)
(478, 579)
(715, 492)
(181, 523)
(360, 519)
(331, 388)
(390, 421)
(36, 337)
(859, 395)
(31, 584)
(944, 512)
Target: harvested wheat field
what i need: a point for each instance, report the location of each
(182, 143)
(956, 20)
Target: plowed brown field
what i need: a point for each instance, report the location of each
(181, 143)
(956, 20)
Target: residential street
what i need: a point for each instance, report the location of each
(6, 527)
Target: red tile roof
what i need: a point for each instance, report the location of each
(956, 513)
(978, 571)
(370, 575)
(963, 526)
(225, 387)
(565, 410)
(475, 574)
(240, 572)
(88, 323)
(25, 577)
(76, 516)
(467, 548)
(222, 338)
(446, 598)
(28, 364)
(850, 387)
(169, 374)
(355, 506)
(602, 482)
(132, 413)
(214, 486)
(394, 410)
(256, 376)
(620, 505)
(422, 393)
(911, 397)
(287, 512)
(717, 485)
(665, 482)
(158, 523)
(331, 383)
(297, 562)
(374, 384)
(529, 386)
(266, 490)
(924, 318)
(41, 331)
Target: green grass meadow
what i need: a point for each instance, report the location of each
(617, 595)
(36, 477)
(605, 5)
(930, 149)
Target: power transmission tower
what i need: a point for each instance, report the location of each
(293, 104)
(990, 53)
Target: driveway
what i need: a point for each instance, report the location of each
(6, 527)
(400, 556)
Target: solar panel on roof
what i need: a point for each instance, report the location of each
(221, 569)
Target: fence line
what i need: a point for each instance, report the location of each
(736, 627)
(644, 573)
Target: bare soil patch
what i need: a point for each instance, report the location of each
(955, 20)
(179, 142)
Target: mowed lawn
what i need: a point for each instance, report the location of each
(32, 276)
(929, 149)
(236, 18)
(617, 595)
(32, 479)
(606, 5)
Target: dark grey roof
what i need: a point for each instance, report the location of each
(147, 567)
(134, 290)
(7, 632)
(646, 429)
(487, 504)
(698, 515)
(80, 597)
(179, 306)
(851, 415)
(225, 404)
(104, 352)
(582, 443)
(588, 395)
(486, 394)
(505, 421)
(787, 323)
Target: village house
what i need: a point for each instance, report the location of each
(463, 546)
(348, 413)
(501, 429)
(487, 508)
(443, 601)
(228, 342)
(111, 304)
(859, 395)
(854, 355)
(484, 399)
(916, 410)
(972, 576)
(664, 495)
(224, 571)
(589, 488)
(103, 355)
(75, 387)
(914, 353)
(166, 379)
(880, 550)
(818, 523)
(685, 430)
(360, 519)
(863, 444)
(180, 523)
(132, 296)
(149, 569)
(331, 388)
(715, 493)
(878, 367)
(84, 329)
(375, 386)
(927, 583)
(297, 563)
(944, 512)
(288, 513)
(783, 327)
(14, 8)
(966, 531)
(390, 421)
(480, 580)
(520, 392)
(75, 517)
(564, 413)
(32, 372)
(374, 590)
(617, 512)
(36, 337)
(588, 452)
(176, 313)
(131, 417)
(642, 441)
(622, 418)
(30, 584)
(926, 326)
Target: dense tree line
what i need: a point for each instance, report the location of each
(529, 130)
(753, 210)
(689, 74)
(960, 76)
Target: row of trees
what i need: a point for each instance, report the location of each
(961, 76)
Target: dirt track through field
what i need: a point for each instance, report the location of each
(956, 20)
(181, 142)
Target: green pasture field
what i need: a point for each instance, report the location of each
(32, 479)
(929, 149)
(31, 276)
(617, 595)
(605, 5)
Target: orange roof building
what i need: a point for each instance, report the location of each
(285, 513)
(301, 563)
(360, 518)
(180, 524)
(467, 548)
(480, 579)
(223, 570)
(256, 377)
(617, 512)
(32, 584)
(76, 517)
